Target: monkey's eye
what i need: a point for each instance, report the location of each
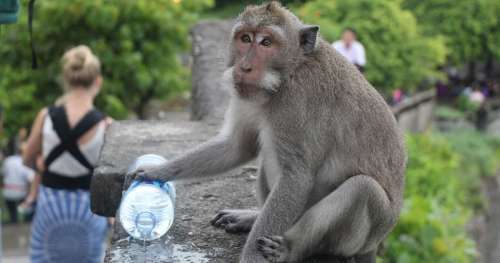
(246, 38)
(266, 42)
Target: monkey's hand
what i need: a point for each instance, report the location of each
(157, 173)
(273, 248)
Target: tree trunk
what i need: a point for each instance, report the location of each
(489, 67)
(471, 72)
(140, 110)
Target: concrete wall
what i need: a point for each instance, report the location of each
(209, 48)
(415, 113)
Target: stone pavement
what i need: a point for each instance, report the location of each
(16, 259)
(15, 243)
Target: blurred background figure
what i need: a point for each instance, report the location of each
(398, 96)
(477, 96)
(494, 88)
(442, 90)
(351, 49)
(69, 136)
(16, 182)
(26, 208)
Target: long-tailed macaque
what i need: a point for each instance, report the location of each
(332, 160)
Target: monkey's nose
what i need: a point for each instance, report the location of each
(246, 68)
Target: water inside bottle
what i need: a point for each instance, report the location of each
(147, 212)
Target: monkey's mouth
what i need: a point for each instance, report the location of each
(268, 83)
(245, 89)
(247, 86)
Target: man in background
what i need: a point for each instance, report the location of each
(351, 49)
(16, 183)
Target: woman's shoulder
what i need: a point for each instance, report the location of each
(105, 119)
(42, 113)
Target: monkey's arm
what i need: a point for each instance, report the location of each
(235, 145)
(285, 204)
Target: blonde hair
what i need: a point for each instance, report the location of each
(80, 67)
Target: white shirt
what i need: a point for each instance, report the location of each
(354, 54)
(477, 97)
(17, 178)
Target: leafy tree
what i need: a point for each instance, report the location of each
(437, 206)
(221, 3)
(398, 54)
(138, 42)
(471, 28)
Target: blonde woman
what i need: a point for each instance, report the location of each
(69, 136)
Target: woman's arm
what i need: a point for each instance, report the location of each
(108, 121)
(33, 193)
(34, 144)
(31, 197)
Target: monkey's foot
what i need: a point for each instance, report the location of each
(235, 221)
(273, 248)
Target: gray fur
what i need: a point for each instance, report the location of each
(235, 221)
(332, 158)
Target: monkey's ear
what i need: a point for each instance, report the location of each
(273, 6)
(308, 38)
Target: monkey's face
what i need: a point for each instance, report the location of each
(268, 42)
(255, 50)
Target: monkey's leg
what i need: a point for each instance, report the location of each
(350, 221)
(241, 221)
(369, 257)
(262, 186)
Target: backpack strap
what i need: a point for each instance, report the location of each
(69, 137)
(60, 181)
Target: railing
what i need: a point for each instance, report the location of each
(415, 113)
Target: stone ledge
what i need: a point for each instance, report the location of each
(125, 141)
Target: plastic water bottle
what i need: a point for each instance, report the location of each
(147, 207)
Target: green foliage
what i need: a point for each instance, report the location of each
(138, 42)
(436, 208)
(461, 110)
(397, 53)
(228, 9)
(464, 104)
(442, 186)
(431, 171)
(470, 27)
(430, 232)
(449, 113)
(224, 3)
(479, 154)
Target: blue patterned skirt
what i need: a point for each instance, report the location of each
(65, 230)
